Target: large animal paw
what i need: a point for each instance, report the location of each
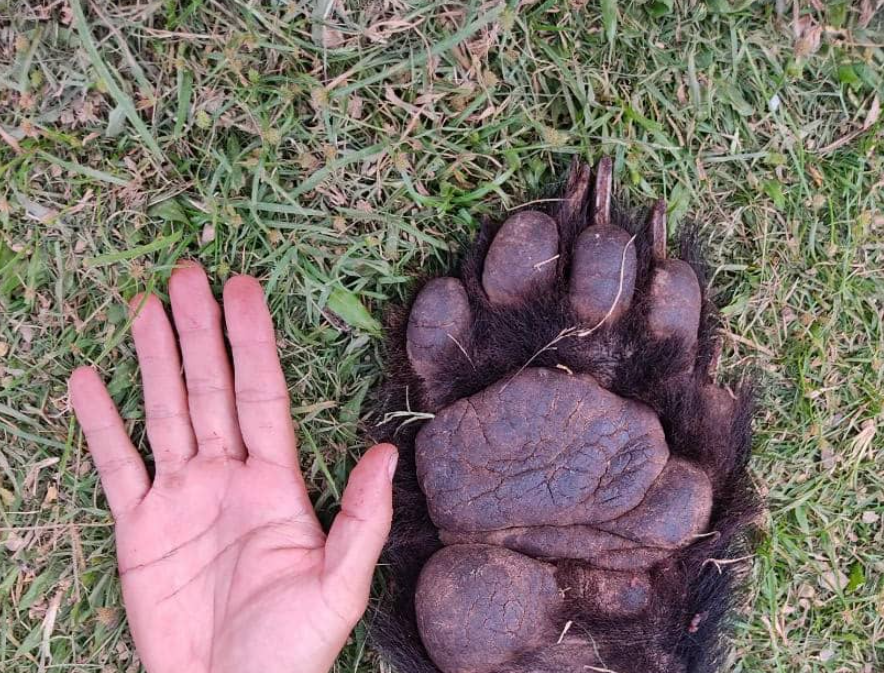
(577, 496)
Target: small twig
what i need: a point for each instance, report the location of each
(412, 416)
(538, 266)
(568, 331)
(619, 291)
(54, 526)
(462, 350)
(748, 342)
(718, 563)
(531, 203)
(170, 34)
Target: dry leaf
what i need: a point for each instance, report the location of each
(827, 456)
(808, 34)
(33, 475)
(391, 96)
(827, 654)
(27, 334)
(49, 624)
(382, 31)
(51, 495)
(36, 210)
(863, 441)
(834, 580)
(331, 38)
(482, 116)
(873, 114)
(14, 542)
(10, 140)
(207, 235)
(354, 107)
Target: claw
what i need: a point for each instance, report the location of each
(658, 230)
(601, 213)
(575, 192)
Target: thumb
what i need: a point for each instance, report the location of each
(360, 530)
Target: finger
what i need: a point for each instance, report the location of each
(165, 399)
(119, 466)
(360, 530)
(262, 398)
(206, 365)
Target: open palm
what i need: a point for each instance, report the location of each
(224, 565)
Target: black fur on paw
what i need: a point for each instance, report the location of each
(579, 495)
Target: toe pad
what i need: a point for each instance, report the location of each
(603, 274)
(675, 302)
(438, 327)
(522, 258)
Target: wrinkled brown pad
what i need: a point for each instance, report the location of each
(673, 513)
(586, 543)
(542, 448)
(480, 606)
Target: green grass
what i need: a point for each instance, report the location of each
(334, 163)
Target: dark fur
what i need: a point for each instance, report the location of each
(692, 593)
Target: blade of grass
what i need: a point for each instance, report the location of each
(609, 20)
(185, 91)
(85, 171)
(113, 88)
(132, 253)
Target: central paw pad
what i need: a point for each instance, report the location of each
(577, 447)
(543, 448)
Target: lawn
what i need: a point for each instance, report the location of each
(335, 151)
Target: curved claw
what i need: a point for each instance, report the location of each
(574, 199)
(604, 172)
(658, 230)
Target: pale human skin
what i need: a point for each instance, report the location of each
(224, 565)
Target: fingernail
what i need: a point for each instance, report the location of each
(391, 466)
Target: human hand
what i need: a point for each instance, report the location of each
(224, 566)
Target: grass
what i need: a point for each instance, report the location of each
(335, 161)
